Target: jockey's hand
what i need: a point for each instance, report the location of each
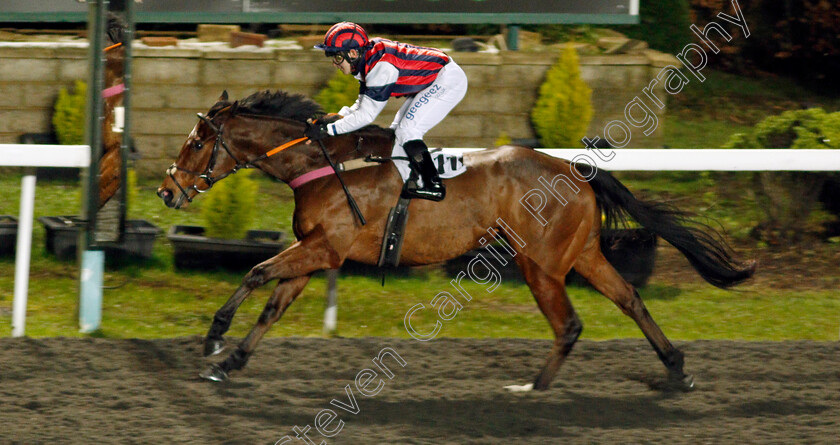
(315, 130)
(330, 118)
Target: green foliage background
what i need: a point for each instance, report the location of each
(813, 128)
(340, 91)
(663, 24)
(564, 106)
(786, 200)
(69, 115)
(230, 206)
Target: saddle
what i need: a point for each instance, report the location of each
(392, 240)
(449, 166)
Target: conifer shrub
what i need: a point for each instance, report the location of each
(229, 209)
(69, 115)
(563, 109)
(341, 90)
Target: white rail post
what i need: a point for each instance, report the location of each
(331, 313)
(24, 248)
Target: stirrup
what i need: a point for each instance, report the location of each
(435, 192)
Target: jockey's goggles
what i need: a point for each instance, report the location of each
(338, 57)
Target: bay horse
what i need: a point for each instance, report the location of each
(234, 135)
(110, 164)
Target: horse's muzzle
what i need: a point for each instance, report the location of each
(167, 196)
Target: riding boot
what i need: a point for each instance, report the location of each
(421, 162)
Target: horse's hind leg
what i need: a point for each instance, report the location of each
(283, 296)
(554, 303)
(592, 265)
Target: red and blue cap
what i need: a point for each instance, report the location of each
(343, 37)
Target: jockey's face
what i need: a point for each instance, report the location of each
(344, 65)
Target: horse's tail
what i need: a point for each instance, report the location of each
(704, 247)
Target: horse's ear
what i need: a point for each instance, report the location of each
(223, 97)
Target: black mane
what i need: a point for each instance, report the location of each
(279, 104)
(286, 105)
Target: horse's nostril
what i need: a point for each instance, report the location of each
(165, 194)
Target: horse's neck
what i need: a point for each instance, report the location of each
(361, 145)
(303, 158)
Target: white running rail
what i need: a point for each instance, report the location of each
(31, 155)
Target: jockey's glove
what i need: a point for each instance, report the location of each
(316, 130)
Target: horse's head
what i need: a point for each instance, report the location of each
(205, 158)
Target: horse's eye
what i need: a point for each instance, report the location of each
(198, 145)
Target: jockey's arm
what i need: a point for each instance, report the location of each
(379, 83)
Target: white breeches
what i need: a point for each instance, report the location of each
(421, 113)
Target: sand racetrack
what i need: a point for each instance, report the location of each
(96, 391)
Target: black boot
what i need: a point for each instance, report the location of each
(421, 162)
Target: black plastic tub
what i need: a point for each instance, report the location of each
(62, 237)
(8, 234)
(193, 250)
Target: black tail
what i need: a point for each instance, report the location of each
(704, 247)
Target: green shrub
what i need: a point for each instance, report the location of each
(786, 200)
(811, 128)
(229, 209)
(564, 107)
(69, 115)
(342, 90)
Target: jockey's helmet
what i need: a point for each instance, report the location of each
(343, 37)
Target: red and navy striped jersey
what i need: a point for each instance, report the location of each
(418, 67)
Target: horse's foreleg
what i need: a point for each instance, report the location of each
(283, 296)
(215, 342)
(301, 258)
(594, 267)
(554, 303)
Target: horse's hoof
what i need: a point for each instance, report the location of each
(213, 346)
(214, 373)
(683, 383)
(688, 383)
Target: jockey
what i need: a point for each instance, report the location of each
(429, 79)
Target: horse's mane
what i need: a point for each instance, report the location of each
(115, 29)
(284, 105)
(278, 104)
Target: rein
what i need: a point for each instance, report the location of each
(220, 141)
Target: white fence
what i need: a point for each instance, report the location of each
(664, 159)
(694, 159)
(26, 155)
(608, 159)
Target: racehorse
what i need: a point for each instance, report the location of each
(240, 134)
(111, 161)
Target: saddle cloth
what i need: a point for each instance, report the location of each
(448, 165)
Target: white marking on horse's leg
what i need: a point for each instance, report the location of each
(520, 388)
